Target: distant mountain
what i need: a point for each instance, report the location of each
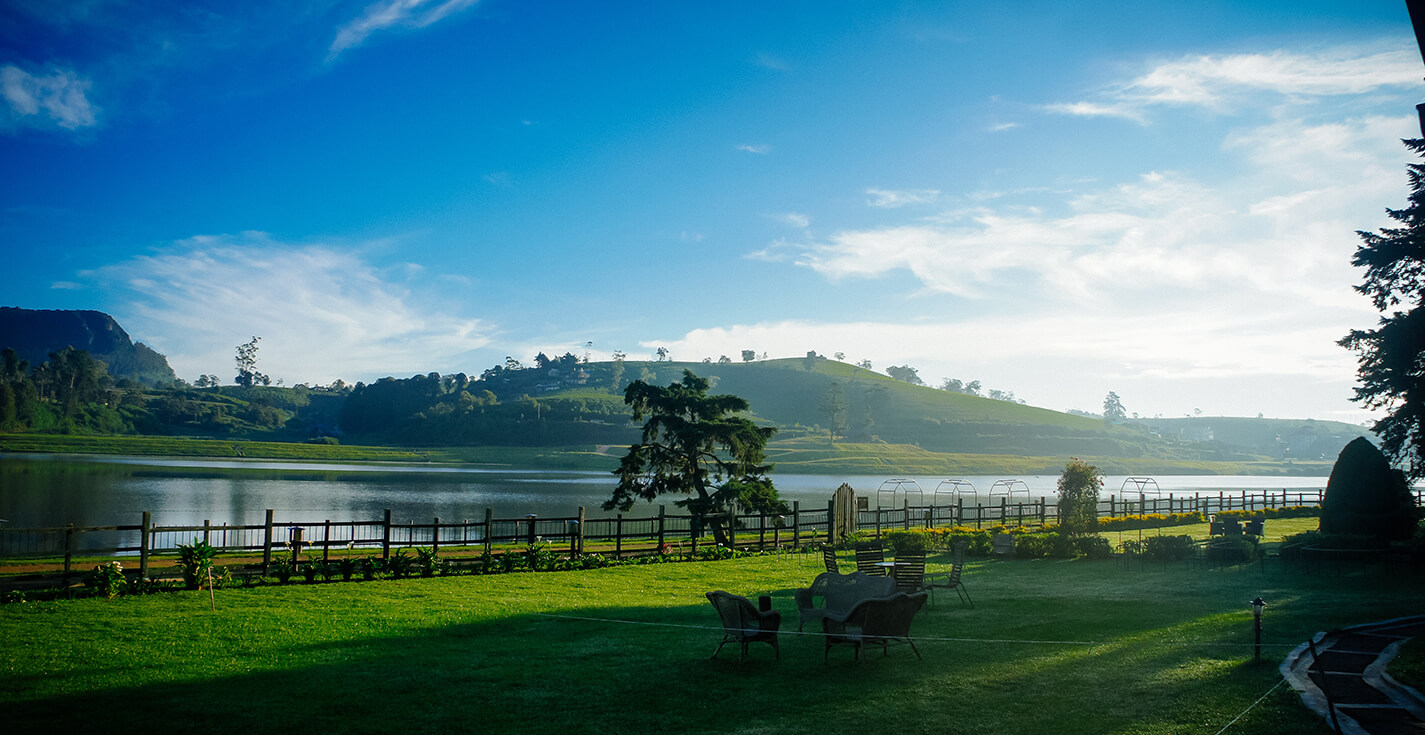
(35, 333)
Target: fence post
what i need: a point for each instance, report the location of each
(831, 522)
(144, 542)
(878, 520)
(267, 543)
(905, 513)
(326, 540)
(205, 530)
(761, 531)
(581, 529)
(979, 514)
(796, 523)
(618, 536)
(435, 536)
(662, 513)
(386, 535)
(489, 527)
(68, 550)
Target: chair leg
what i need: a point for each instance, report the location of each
(743, 657)
(914, 649)
(719, 648)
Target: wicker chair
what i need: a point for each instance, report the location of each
(828, 556)
(743, 623)
(869, 555)
(883, 622)
(953, 580)
(910, 571)
(838, 593)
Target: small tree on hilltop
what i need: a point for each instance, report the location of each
(693, 445)
(1078, 498)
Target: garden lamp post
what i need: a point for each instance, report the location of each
(1257, 606)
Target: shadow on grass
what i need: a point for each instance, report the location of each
(1051, 647)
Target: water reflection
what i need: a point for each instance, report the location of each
(52, 490)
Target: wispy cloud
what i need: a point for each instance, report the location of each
(391, 14)
(59, 98)
(895, 198)
(795, 219)
(1224, 81)
(322, 312)
(768, 61)
(759, 149)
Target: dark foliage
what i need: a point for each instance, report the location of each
(1392, 356)
(1366, 497)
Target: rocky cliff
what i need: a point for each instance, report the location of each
(34, 334)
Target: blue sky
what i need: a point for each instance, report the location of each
(1057, 199)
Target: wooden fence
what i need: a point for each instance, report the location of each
(617, 536)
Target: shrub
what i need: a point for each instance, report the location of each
(369, 566)
(1168, 548)
(195, 560)
(905, 542)
(284, 568)
(1093, 547)
(427, 561)
(400, 564)
(539, 558)
(107, 580)
(1232, 549)
(326, 440)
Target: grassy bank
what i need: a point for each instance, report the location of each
(1051, 647)
(797, 456)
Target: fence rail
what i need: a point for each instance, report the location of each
(618, 536)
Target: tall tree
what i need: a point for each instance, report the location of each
(247, 374)
(749, 355)
(1391, 357)
(1113, 408)
(694, 444)
(1078, 498)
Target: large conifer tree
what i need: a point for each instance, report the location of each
(1392, 356)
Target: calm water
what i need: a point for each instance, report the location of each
(52, 490)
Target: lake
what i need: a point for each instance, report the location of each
(41, 490)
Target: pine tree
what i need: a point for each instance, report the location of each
(1392, 356)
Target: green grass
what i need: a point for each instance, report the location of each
(1051, 647)
(165, 446)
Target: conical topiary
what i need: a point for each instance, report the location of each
(1366, 497)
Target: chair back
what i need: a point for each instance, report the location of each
(868, 555)
(737, 613)
(910, 571)
(957, 564)
(889, 617)
(828, 556)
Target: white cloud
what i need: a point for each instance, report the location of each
(759, 149)
(59, 98)
(1251, 80)
(322, 312)
(892, 199)
(795, 219)
(388, 14)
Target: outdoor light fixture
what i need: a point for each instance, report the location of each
(1257, 606)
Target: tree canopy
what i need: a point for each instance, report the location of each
(694, 444)
(1391, 373)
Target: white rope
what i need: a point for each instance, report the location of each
(1250, 707)
(1027, 641)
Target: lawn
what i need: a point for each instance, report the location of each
(1051, 646)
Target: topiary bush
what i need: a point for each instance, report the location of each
(1365, 496)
